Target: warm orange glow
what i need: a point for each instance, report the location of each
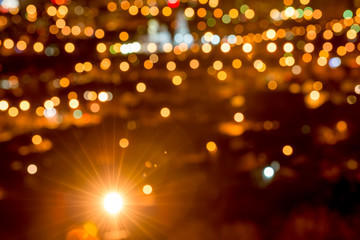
(147, 189)
(165, 112)
(287, 150)
(113, 203)
(36, 139)
(124, 143)
(211, 146)
(238, 117)
(32, 169)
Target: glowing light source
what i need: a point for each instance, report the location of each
(8, 4)
(147, 189)
(247, 47)
(49, 113)
(288, 47)
(124, 66)
(211, 146)
(69, 47)
(238, 117)
(165, 112)
(8, 43)
(177, 80)
(124, 143)
(271, 47)
(141, 87)
(225, 47)
(271, 34)
(36, 139)
(275, 14)
(341, 126)
(4, 105)
(237, 63)
(105, 64)
(171, 66)
(48, 104)
(103, 96)
(268, 172)
(218, 65)
(74, 103)
(95, 107)
(334, 62)
(314, 95)
(194, 64)
(289, 12)
(173, 3)
(32, 169)
(357, 91)
(222, 75)
(13, 112)
(113, 203)
(51, 11)
(259, 65)
(249, 14)
(24, 105)
(348, 14)
(287, 150)
(101, 47)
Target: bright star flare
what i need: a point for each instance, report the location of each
(113, 203)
